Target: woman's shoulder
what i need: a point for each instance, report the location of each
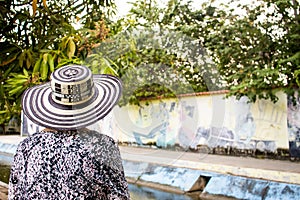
(80, 137)
(95, 136)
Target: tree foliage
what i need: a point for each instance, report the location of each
(258, 53)
(255, 47)
(163, 57)
(158, 51)
(37, 36)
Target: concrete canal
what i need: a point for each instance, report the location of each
(136, 192)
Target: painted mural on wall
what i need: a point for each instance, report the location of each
(245, 126)
(294, 127)
(271, 122)
(162, 123)
(207, 120)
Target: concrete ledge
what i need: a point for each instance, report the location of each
(266, 174)
(181, 180)
(154, 194)
(254, 189)
(270, 170)
(8, 148)
(6, 159)
(209, 184)
(3, 190)
(165, 188)
(2, 184)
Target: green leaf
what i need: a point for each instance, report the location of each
(21, 59)
(71, 48)
(51, 62)
(109, 70)
(25, 72)
(15, 90)
(44, 70)
(37, 65)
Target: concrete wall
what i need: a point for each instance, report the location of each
(293, 119)
(207, 119)
(210, 183)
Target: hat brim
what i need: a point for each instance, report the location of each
(40, 108)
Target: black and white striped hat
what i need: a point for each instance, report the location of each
(73, 99)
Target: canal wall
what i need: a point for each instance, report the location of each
(3, 190)
(207, 184)
(208, 176)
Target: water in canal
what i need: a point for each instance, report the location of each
(136, 192)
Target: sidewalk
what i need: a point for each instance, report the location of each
(238, 177)
(11, 139)
(274, 170)
(3, 191)
(214, 176)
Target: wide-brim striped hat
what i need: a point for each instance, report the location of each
(73, 99)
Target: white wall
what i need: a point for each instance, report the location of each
(191, 121)
(208, 119)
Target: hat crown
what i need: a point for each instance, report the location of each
(72, 85)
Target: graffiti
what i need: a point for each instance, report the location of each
(158, 132)
(264, 145)
(223, 137)
(148, 124)
(271, 123)
(166, 131)
(246, 129)
(189, 110)
(275, 116)
(246, 133)
(163, 123)
(190, 122)
(215, 137)
(186, 135)
(172, 107)
(245, 126)
(294, 127)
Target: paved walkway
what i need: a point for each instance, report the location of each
(273, 170)
(11, 139)
(3, 191)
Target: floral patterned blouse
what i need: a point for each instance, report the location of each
(68, 165)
